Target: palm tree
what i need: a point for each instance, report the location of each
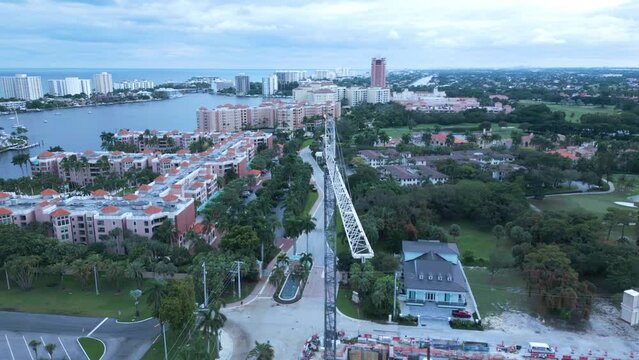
(277, 276)
(155, 295)
(212, 321)
(306, 259)
(50, 348)
(34, 346)
(307, 225)
(134, 271)
(262, 351)
(20, 160)
(282, 260)
(107, 139)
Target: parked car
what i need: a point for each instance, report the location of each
(461, 313)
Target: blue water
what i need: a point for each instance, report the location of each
(290, 288)
(157, 75)
(77, 130)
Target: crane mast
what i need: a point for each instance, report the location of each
(335, 192)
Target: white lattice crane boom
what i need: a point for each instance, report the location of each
(357, 240)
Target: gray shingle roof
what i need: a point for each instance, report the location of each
(425, 246)
(432, 268)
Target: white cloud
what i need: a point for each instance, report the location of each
(276, 33)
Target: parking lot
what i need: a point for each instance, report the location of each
(15, 346)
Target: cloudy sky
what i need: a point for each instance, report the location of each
(318, 34)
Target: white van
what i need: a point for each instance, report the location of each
(541, 350)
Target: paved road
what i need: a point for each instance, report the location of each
(123, 341)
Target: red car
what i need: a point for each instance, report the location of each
(461, 313)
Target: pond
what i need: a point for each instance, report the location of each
(290, 288)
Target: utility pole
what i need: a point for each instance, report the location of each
(394, 295)
(206, 294)
(239, 283)
(95, 277)
(166, 354)
(6, 274)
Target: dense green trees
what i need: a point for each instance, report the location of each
(551, 277)
(178, 305)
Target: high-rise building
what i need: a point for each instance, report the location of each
(69, 86)
(85, 86)
(289, 76)
(21, 86)
(269, 85)
(134, 85)
(343, 72)
(242, 84)
(378, 72)
(103, 83)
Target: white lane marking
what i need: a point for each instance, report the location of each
(322, 274)
(281, 245)
(64, 348)
(43, 345)
(96, 328)
(9, 345)
(27, 345)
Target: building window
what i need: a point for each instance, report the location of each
(146, 230)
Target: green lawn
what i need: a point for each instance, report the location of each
(231, 297)
(310, 200)
(574, 112)
(93, 347)
(595, 203)
(506, 291)
(307, 142)
(399, 131)
(47, 298)
(480, 241)
(345, 305)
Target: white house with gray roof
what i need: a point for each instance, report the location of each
(432, 273)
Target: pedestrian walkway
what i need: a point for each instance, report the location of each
(226, 343)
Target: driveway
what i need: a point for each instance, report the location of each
(123, 341)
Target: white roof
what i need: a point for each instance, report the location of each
(538, 344)
(632, 292)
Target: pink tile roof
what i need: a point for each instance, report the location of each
(110, 209)
(5, 211)
(99, 192)
(130, 197)
(45, 155)
(170, 197)
(48, 192)
(60, 212)
(152, 210)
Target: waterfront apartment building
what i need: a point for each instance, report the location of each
(21, 87)
(134, 85)
(318, 92)
(220, 84)
(70, 86)
(242, 84)
(324, 75)
(184, 179)
(372, 95)
(103, 83)
(269, 114)
(289, 76)
(269, 85)
(378, 72)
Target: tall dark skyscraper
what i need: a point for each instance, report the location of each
(378, 72)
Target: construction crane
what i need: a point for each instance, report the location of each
(335, 192)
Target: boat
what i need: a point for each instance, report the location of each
(46, 121)
(17, 125)
(90, 112)
(12, 118)
(57, 113)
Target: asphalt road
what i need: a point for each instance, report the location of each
(123, 341)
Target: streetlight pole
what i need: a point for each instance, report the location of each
(394, 294)
(206, 295)
(6, 274)
(95, 277)
(239, 283)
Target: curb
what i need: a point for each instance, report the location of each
(90, 337)
(132, 322)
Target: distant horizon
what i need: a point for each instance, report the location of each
(325, 68)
